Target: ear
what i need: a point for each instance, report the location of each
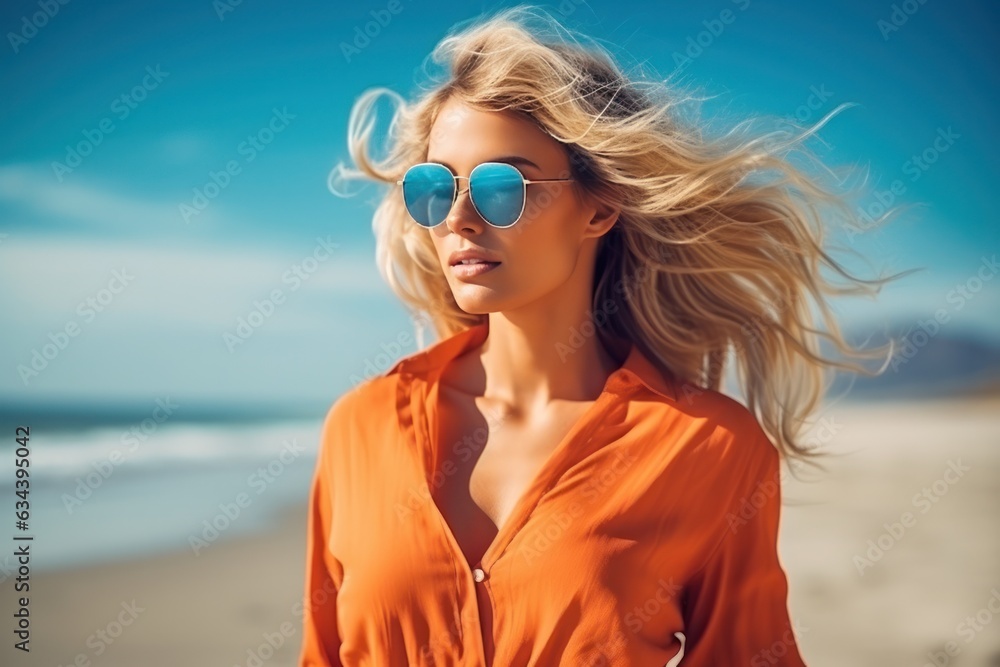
(604, 218)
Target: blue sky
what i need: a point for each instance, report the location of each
(162, 95)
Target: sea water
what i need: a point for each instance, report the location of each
(103, 494)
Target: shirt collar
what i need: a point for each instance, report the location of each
(637, 369)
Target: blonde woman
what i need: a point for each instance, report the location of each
(559, 479)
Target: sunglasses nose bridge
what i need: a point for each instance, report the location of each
(460, 209)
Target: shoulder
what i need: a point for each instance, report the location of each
(371, 396)
(726, 458)
(361, 414)
(729, 432)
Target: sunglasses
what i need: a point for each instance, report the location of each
(497, 191)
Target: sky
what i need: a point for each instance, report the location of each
(164, 166)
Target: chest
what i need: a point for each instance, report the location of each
(486, 463)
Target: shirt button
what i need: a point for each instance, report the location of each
(478, 575)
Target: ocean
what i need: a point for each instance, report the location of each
(103, 493)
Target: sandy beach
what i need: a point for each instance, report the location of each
(893, 558)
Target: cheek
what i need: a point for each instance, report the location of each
(438, 243)
(548, 241)
(549, 222)
(544, 204)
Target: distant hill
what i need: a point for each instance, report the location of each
(944, 364)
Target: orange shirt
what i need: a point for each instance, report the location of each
(657, 514)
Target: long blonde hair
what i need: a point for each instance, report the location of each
(709, 261)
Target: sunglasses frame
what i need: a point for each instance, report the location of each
(456, 191)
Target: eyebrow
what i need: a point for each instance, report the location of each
(508, 159)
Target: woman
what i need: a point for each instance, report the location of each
(558, 480)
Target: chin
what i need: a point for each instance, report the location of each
(475, 306)
(478, 299)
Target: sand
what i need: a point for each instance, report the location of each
(897, 600)
(890, 553)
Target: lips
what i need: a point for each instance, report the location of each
(469, 262)
(473, 268)
(472, 256)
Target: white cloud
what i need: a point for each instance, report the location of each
(184, 282)
(94, 208)
(202, 287)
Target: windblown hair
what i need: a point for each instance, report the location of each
(716, 256)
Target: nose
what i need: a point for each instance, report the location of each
(463, 215)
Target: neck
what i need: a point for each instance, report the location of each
(553, 353)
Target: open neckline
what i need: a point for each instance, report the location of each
(533, 492)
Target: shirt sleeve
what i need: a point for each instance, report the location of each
(320, 639)
(736, 606)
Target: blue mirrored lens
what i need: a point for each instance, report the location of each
(428, 192)
(497, 190)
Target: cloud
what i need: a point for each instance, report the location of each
(175, 286)
(183, 280)
(88, 207)
(167, 327)
(91, 208)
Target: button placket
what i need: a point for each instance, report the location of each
(616, 388)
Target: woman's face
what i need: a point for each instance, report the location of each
(549, 252)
